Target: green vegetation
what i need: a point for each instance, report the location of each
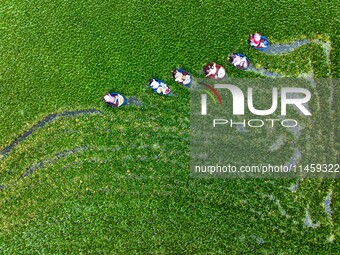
(126, 188)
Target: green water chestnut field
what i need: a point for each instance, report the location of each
(117, 180)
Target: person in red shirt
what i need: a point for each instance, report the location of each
(258, 41)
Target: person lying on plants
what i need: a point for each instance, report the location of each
(258, 41)
(182, 77)
(214, 71)
(239, 60)
(159, 86)
(114, 99)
